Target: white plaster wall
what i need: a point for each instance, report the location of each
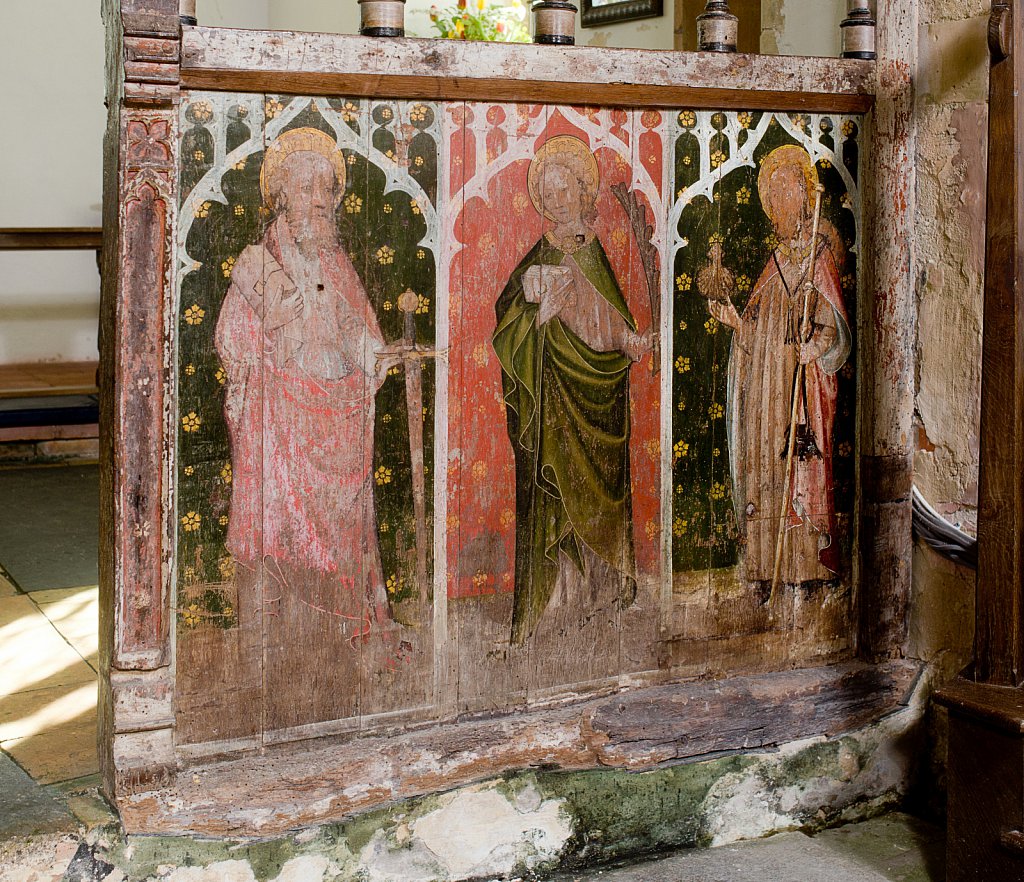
(801, 27)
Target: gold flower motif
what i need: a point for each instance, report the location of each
(387, 208)
(385, 255)
(388, 306)
(202, 111)
(479, 580)
(717, 490)
(221, 375)
(418, 161)
(687, 160)
(687, 119)
(652, 529)
(394, 584)
(743, 196)
(716, 239)
(384, 527)
(653, 448)
(190, 471)
(351, 159)
(479, 470)
(202, 210)
(194, 314)
(717, 158)
(481, 354)
(847, 128)
(679, 526)
(716, 411)
(240, 165)
(420, 254)
(743, 283)
(191, 422)
(453, 522)
(414, 206)
(745, 119)
(349, 112)
(190, 523)
(272, 108)
(711, 326)
(684, 282)
(681, 405)
(353, 204)
(227, 567)
(191, 615)
(682, 364)
(223, 520)
(227, 266)
(386, 113)
(382, 476)
(190, 369)
(418, 113)
(422, 305)
(239, 210)
(680, 450)
(198, 155)
(226, 473)
(683, 326)
(825, 163)
(508, 518)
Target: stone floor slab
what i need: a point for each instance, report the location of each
(74, 612)
(901, 847)
(33, 655)
(25, 808)
(41, 710)
(59, 754)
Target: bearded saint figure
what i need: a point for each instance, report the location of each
(769, 342)
(566, 341)
(302, 349)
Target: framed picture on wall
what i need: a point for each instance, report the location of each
(597, 13)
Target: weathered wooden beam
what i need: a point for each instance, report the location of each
(293, 786)
(887, 334)
(51, 238)
(331, 64)
(999, 636)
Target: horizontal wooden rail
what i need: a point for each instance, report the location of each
(331, 64)
(51, 238)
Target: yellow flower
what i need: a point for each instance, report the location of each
(745, 119)
(239, 210)
(480, 4)
(388, 306)
(418, 113)
(652, 529)
(202, 210)
(716, 239)
(687, 160)
(422, 305)
(225, 473)
(418, 161)
(191, 615)
(679, 527)
(227, 567)
(479, 470)
(223, 520)
(190, 369)
(394, 584)
(508, 518)
(351, 159)
(349, 112)
(385, 255)
(711, 326)
(687, 119)
(382, 476)
(420, 254)
(717, 158)
(848, 128)
(202, 111)
(684, 282)
(716, 411)
(190, 523)
(679, 450)
(716, 452)
(479, 580)
(387, 208)
(386, 113)
(386, 418)
(384, 527)
(198, 155)
(682, 364)
(460, 28)
(353, 204)
(681, 405)
(191, 422)
(194, 314)
(415, 206)
(743, 283)
(221, 375)
(453, 522)
(190, 471)
(743, 196)
(683, 326)
(772, 240)
(272, 108)
(394, 371)
(227, 266)
(800, 120)
(824, 163)
(717, 491)
(653, 448)
(240, 165)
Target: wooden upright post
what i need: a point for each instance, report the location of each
(986, 706)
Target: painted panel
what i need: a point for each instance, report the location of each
(574, 335)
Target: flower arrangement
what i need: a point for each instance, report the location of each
(497, 22)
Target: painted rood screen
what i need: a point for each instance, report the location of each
(480, 406)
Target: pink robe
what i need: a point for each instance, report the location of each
(300, 414)
(762, 366)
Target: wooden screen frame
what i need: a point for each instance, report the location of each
(152, 59)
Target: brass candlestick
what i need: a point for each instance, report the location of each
(717, 28)
(858, 30)
(382, 18)
(554, 22)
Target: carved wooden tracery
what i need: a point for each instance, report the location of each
(154, 62)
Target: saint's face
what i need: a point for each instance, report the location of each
(561, 195)
(787, 202)
(310, 190)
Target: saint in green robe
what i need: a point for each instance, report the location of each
(567, 404)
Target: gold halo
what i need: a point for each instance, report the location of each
(570, 152)
(307, 140)
(791, 154)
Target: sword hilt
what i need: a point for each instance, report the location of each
(408, 302)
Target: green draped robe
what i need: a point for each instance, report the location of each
(567, 407)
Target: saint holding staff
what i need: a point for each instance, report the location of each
(788, 345)
(566, 340)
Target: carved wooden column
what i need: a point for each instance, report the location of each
(717, 28)
(887, 323)
(136, 422)
(986, 708)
